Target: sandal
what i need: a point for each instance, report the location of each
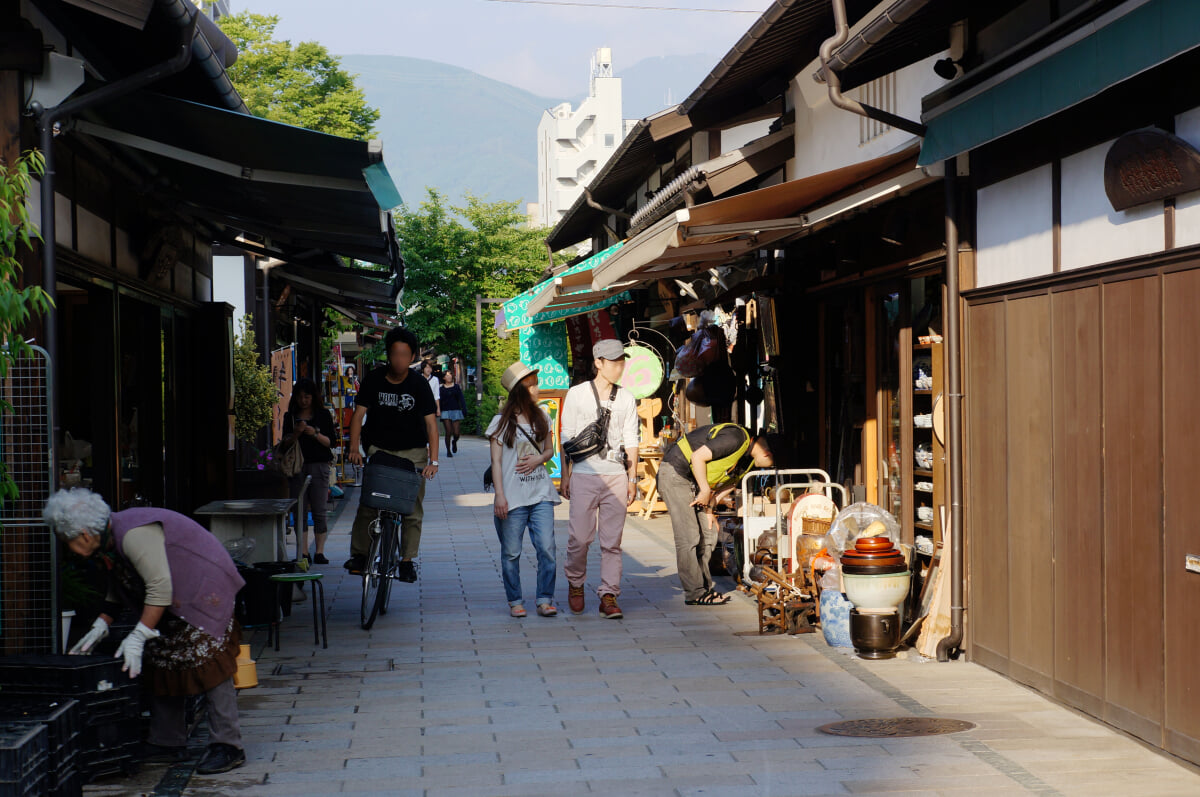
(710, 598)
(547, 610)
(517, 611)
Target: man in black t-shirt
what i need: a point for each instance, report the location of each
(712, 458)
(400, 418)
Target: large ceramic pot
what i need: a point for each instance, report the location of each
(884, 591)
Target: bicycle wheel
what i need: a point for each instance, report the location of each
(375, 574)
(393, 566)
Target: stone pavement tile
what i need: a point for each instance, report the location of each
(896, 783)
(312, 761)
(521, 790)
(578, 776)
(534, 756)
(708, 785)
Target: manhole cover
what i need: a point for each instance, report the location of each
(896, 726)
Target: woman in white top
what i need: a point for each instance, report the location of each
(525, 495)
(435, 384)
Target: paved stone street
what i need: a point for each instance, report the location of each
(448, 695)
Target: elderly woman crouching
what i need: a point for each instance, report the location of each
(185, 584)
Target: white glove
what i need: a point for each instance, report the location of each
(98, 632)
(132, 646)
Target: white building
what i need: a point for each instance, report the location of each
(573, 145)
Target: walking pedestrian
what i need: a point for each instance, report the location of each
(453, 405)
(696, 474)
(400, 418)
(521, 445)
(601, 486)
(312, 424)
(184, 582)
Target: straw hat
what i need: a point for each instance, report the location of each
(514, 374)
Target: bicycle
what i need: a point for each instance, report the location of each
(391, 484)
(383, 559)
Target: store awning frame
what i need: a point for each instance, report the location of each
(564, 295)
(715, 233)
(300, 189)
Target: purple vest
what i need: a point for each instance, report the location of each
(204, 580)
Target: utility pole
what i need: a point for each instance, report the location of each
(480, 301)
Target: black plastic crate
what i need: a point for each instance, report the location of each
(33, 786)
(63, 720)
(68, 785)
(61, 674)
(23, 754)
(125, 760)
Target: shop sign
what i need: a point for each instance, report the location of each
(1148, 166)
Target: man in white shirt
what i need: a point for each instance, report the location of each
(601, 487)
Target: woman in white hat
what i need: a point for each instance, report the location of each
(525, 496)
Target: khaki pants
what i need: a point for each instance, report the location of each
(410, 525)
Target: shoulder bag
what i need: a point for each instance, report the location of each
(592, 440)
(488, 482)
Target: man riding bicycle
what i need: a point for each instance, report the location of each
(401, 419)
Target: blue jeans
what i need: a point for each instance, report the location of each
(540, 519)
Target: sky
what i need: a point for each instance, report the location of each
(542, 46)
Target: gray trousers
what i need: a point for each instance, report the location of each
(168, 718)
(694, 544)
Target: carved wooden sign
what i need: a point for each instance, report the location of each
(1147, 166)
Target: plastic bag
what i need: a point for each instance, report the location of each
(700, 351)
(853, 521)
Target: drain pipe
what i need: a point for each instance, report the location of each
(47, 118)
(834, 83)
(871, 34)
(952, 643)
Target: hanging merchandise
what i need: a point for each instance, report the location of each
(644, 371)
(701, 350)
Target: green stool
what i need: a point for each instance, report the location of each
(320, 633)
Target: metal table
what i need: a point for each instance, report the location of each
(263, 520)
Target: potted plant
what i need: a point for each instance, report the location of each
(254, 397)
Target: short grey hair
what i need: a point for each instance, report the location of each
(69, 512)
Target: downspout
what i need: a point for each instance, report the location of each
(47, 118)
(871, 34)
(828, 46)
(952, 643)
(898, 12)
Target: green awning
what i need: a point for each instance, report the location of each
(563, 295)
(1144, 38)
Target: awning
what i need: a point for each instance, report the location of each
(717, 232)
(1090, 60)
(300, 190)
(563, 295)
(343, 286)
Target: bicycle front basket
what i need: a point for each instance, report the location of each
(391, 483)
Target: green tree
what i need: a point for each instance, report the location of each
(18, 306)
(452, 253)
(254, 393)
(302, 85)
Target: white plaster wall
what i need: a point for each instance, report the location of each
(228, 284)
(94, 239)
(1014, 220)
(1092, 232)
(1187, 206)
(828, 138)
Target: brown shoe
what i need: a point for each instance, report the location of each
(609, 609)
(575, 599)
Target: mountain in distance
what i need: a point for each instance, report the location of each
(458, 131)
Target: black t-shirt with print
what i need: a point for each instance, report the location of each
(724, 443)
(395, 413)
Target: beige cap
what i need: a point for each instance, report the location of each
(514, 374)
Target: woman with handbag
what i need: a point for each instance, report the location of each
(600, 455)
(525, 496)
(312, 425)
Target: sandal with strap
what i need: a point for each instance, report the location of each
(710, 598)
(517, 611)
(547, 610)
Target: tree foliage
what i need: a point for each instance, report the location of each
(302, 85)
(18, 306)
(452, 253)
(254, 392)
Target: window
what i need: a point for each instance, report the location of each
(609, 140)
